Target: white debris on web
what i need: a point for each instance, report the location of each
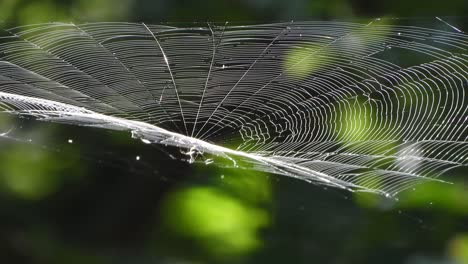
(375, 107)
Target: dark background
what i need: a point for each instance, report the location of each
(82, 195)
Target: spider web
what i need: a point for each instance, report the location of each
(372, 107)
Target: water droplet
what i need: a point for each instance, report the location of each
(145, 141)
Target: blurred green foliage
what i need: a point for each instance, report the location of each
(445, 198)
(302, 61)
(29, 174)
(33, 173)
(223, 219)
(30, 12)
(458, 249)
(222, 225)
(33, 11)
